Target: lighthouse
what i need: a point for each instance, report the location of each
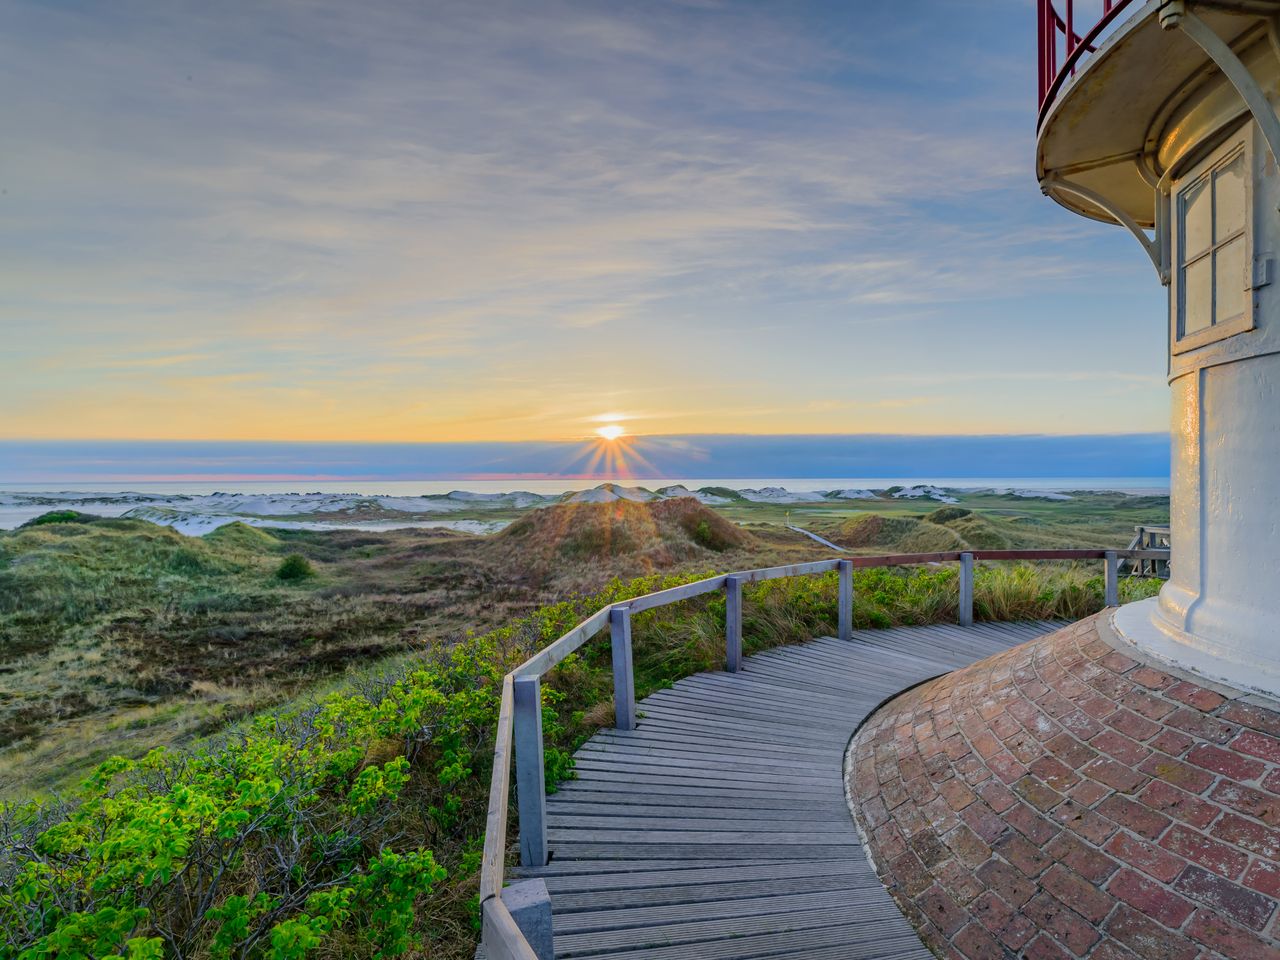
(1160, 118)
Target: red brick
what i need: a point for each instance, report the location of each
(1167, 770)
(1227, 939)
(1146, 857)
(999, 797)
(1054, 772)
(1247, 715)
(1225, 762)
(1064, 924)
(1244, 906)
(1037, 793)
(912, 878)
(1263, 877)
(888, 841)
(1149, 678)
(956, 794)
(1196, 696)
(984, 823)
(1113, 774)
(1070, 750)
(1092, 826)
(1043, 948)
(1118, 662)
(1055, 847)
(1147, 938)
(1200, 725)
(1132, 725)
(1255, 803)
(1258, 745)
(1178, 804)
(1004, 766)
(1154, 900)
(1024, 855)
(1088, 792)
(1119, 747)
(976, 943)
(1171, 742)
(1272, 782)
(1139, 818)
(971, 849)
(1031, 824)
(997, 916)
(936, 904)
(1083, 897)
(1153, 708)
(1090, 863)
(1080, 725)
(1010, 883)
(1196, 847)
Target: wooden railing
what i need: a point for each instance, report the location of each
(520, 713)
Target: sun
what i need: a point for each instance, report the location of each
(610, 431)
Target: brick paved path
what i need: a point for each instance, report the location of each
(1064, 800)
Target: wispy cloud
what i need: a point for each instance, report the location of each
(437, 221)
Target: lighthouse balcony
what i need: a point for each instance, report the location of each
(1130, 95)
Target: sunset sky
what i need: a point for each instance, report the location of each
(480, 221)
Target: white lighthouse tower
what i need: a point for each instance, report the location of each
(1161, 117)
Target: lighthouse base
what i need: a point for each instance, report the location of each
(1148, 628)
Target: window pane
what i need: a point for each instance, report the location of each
(1197, 219)
(1197, 296)
(1230, 293)
(1230, 195)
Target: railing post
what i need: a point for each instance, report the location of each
(1112, 598)
(845, 603)
(966, 589)
(624, 678)
(531, 784)
(733, 624)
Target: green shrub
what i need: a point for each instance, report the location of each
(295, 567)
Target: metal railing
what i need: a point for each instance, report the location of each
(1062, 47)
(520, 713)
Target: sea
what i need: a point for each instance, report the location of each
(543, 485)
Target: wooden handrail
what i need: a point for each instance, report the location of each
(501, 934)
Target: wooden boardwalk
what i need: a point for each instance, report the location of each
(719, 828)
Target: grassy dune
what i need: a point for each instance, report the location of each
(306, 760)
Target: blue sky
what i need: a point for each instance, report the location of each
(434, 221)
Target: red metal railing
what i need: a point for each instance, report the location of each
(1062, 46)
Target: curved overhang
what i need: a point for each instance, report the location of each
(1140, 104)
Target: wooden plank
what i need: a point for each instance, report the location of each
(789, 570)
(624, 678)
(495, 833)
(675, 594)
(531, 786)
(718, 828)
(501, 937)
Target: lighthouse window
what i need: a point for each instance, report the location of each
(1213, 243)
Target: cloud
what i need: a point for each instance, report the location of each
(468, 216)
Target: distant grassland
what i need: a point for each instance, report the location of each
(117, 636)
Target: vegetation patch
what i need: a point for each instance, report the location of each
(353, 826)
(295, 567)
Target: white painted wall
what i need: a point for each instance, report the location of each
(1219, 614)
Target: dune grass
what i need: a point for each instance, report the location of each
(351, 826)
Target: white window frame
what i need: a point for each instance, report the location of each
(1241, 144)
